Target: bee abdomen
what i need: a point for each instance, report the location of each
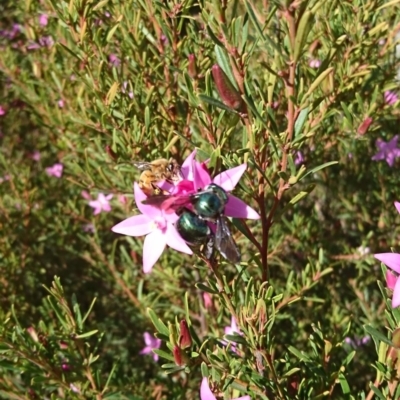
(192, 228)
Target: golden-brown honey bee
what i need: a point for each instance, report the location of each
(156, 171)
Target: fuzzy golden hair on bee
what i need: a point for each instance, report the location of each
(156, 171)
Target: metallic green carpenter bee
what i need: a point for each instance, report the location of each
(195, 211)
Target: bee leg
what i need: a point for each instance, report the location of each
(209, 248)
(156, 190)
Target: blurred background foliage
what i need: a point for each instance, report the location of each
(96, 85)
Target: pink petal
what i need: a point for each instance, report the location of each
(146, 350)
(229, 179)
(137, 225)
(150, 211)
(187, 166)
(239, 209)
(154, 245)
(201, 176)
(243, 398)
(397, 205)
(175, 241)
(391, 279)
(392, 260)
(205, 391)
(148, 339)
(396, 295)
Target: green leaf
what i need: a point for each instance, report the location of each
(223, 62)
(303, 30)
(87, 334)
(110, 34)
(205, 288)
(215, 103)
(300, 121)
(158, 324)
(322, 166)
(317, 82)
(377, 335)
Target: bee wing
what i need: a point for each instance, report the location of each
(167, 202)
(142, 165)
(224, 241)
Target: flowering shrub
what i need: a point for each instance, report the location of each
(282, 118)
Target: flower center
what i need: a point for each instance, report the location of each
(159, 223)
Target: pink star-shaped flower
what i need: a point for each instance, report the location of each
(101, 204)
(151, 344)
(390, 97)
(158, 227)
(207, 394)
(392, 260)
(55, 170)
(388, 151)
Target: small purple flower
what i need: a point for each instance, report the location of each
(43, 19)
(35, 155)
(357, 342)
(151, 344)
(74, 388)
(2, 111)
(12, 33)
(207, 394)
(388, 151)
(299, 158)
(65, 367)
(60, 103)
(123, 89)
(101, 204)
(232, 330)
(314, 63)
(88, 228)
(55, 170)
(390, 97)
(44, 41)
(122, 199)
(158, 228)
(114, 60)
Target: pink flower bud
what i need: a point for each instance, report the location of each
(363, 128)
(229, 95)
(185, 339)
(178, 355)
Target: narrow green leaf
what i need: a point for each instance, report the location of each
(205, 288)
(254, 19)
(223, 62)
(377, 335)
(216, 103)
(110, 34)
(317, 82)
(158, 324)
(300, 121)
(322, 166)
(303, 30)
(100, 5)
(87, 334)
